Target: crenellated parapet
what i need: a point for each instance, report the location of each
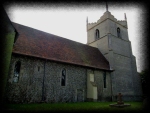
(105, 16)
(123, 23)
(90, 25)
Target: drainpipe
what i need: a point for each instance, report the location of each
(43, 99)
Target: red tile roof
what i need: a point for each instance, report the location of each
(32, 42)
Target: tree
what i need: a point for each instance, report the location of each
(145, 81)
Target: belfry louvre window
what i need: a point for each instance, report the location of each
(16, 71)
(63, 77)
(97, 34)
(118, 32)
(104, 79)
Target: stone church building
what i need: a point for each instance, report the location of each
(49, 68)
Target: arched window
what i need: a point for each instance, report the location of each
(16, 71)
(63, 77)
(104, 79)
(97, 34)
(118, 32)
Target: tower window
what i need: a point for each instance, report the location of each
(63, 77)
(118, 32)
(97, 34)
(16, 71)
(104, 79)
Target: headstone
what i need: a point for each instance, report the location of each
(120, 99)
(119, 103)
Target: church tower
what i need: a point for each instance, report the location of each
(110, 36)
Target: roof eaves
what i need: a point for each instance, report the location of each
(57, 60)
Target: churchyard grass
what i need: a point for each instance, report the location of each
(80, 106)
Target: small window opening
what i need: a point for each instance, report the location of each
(16, 71)
(38, 68)
(104, 79)
(118, 32)
(63, 77)
(97, 34)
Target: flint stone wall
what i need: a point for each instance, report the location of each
(31, 88)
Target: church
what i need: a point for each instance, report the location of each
(49, 68)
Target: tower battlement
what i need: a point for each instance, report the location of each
(123, 23)
(106, 15)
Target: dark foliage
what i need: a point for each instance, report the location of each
(145, 81)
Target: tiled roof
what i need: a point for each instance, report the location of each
(32, 42)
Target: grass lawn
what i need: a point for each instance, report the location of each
(74, 107)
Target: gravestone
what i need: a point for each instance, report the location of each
(120, 99)
(120, 103)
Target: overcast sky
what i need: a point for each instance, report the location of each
(70, 21)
